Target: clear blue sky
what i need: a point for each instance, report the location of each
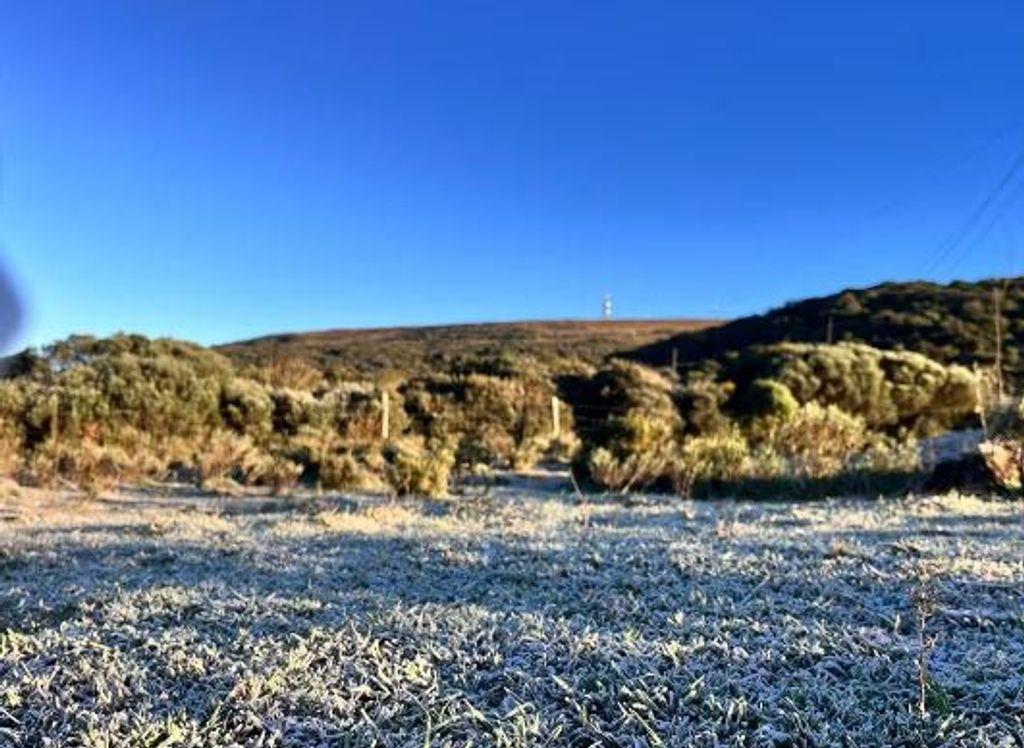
(217, 170)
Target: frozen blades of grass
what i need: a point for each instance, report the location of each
(660, 623)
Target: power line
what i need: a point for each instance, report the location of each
(956, 238)
(950, 167)
(997, 216)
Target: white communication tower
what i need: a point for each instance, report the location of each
(606, 306)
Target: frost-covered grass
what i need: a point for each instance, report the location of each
(513, 621)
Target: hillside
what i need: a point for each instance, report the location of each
(420, 349)
(950, 323)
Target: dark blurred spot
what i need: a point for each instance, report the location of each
(10, 311)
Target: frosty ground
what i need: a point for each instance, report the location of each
(518, 618)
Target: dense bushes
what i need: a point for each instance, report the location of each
(793, 412)
(96, 413)
(495, 411)
(126, 409)
(950, 324)
(413, 468)
(895, 391)
(629, 422)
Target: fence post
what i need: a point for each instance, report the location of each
(54, 417)
(556, 417)
(385, 419)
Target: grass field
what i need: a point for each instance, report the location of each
(512, 619)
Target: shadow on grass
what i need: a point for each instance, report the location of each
(861, 483)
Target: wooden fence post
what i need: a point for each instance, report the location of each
(385, 418)
(556, 417)
(54, 417)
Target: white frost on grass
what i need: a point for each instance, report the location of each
(519, 620)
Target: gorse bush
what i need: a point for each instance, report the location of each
(629, 424)
(92, 467)
(768, 398)
(97, 412)
(247, 407)
(227, 460)
(890, 390)
(104, 412)
(783, 420)
(816, 441)
(413, 468)
(496, 411)
(717, 458)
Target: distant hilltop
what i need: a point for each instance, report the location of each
(968, 323)
(951, 323)
(419, 349)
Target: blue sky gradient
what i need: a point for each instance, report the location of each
(220, 170)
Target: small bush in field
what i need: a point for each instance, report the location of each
(294, 410)
(418, 470)
(767, 398)
(228, 460)
(818, 441)
(12, 428)
(717, 457)
(629, 425)
(1003, 449)
(885, 454)
(92, 467)
(290, 372)
(528, 453)
(496, 411)
(359, 470)
(608, 471)
(1004, 459)
(11, 455)
(473, 456)
(702, 402)
(246, 407)
(280, 474)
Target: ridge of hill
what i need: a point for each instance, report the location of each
(952, 323)
(371, 351)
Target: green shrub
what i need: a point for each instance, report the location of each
(280, 473)
(607, 470)
(818, 441)
(496, 420)
(161, 387)
(767, 398)
(628, 424)
(714, 458)
(415, 469)
(702, 403)
(360, 470)
(896, 391)
(289, 373)
(228, 460)
(246, 407)
(92, 467)
(294, 410)
(355, 411)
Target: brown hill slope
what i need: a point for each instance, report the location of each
(418, 349)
